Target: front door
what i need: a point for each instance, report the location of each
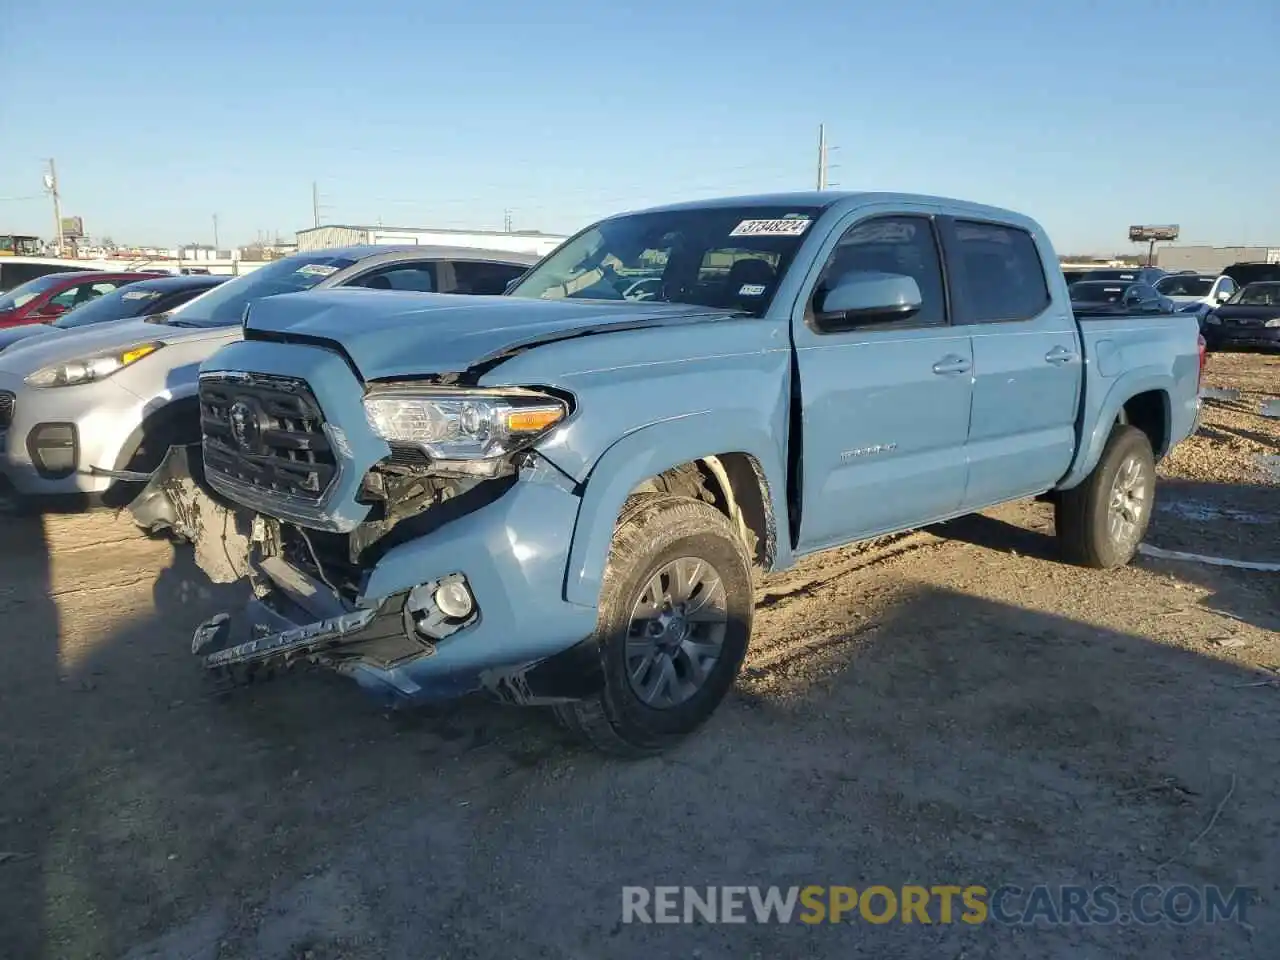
(885, 406)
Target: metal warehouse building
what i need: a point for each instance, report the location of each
(342, 235)
(1212, 259)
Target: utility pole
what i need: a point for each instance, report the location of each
(315, 203)
(215, 234)
(822, 156)
(51, 185)
(506, 220)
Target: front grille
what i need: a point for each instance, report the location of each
(267, 432)
(6, 409)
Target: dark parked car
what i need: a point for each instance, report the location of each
(52, 295)
(1141, 274)
(1249, 319)
(142, 298)
(1099, 297)
(1245, 273)
(15, 271)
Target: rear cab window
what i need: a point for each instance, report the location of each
(997, 273)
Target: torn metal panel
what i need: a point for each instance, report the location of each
(1156, 553)
(1271, 408)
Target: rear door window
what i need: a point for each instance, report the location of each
(483, 277)
(419, 277)
(997, 271)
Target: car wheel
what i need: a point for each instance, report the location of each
(1101, 521)
(674, 623)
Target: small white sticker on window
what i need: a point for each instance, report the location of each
(751, 290)
(140, 294)
(786, 227)
(317, 270)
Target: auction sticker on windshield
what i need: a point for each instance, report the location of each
(787, 227)
(317, 270)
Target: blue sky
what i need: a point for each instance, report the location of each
(1087, 115)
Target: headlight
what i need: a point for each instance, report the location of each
(1273, 322)
(462, 424)
(1213, 319)
(68, 373)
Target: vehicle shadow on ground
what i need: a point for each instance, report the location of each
(960, 740)
(29, 777)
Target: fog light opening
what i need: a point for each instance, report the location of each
(454, 600)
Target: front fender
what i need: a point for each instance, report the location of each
(647, 452)
(1104, 417)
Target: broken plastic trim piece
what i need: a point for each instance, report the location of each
(289, 641)
(1158, 554)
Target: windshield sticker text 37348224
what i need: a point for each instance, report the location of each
(786, 227)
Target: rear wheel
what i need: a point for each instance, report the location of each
(1101, 521)
(673, 627)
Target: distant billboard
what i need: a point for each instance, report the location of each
(73, 227)
(1148, 233)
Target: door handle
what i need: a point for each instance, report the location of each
(952, 363)
(1060, 355)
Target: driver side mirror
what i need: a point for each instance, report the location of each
(52, 309)
(1223, 296)
(511, 284)
(864, 298)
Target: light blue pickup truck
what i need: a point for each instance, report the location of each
(560, 495)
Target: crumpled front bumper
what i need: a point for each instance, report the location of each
(524, 642)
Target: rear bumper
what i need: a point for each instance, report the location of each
(523, 643)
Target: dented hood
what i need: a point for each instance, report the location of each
(391, 334)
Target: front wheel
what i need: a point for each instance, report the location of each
(1101, 521)
(674, 623)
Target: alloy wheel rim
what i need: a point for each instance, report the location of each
(676, 632)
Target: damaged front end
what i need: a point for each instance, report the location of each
(381, 599)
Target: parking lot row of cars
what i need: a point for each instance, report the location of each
(132, 343)
(1239, 307)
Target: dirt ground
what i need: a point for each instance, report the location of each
(948, 706)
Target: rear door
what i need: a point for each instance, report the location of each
(885, 407)
(1026, 361)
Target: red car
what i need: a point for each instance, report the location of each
(54, 294)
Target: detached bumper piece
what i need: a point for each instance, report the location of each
(296, 619)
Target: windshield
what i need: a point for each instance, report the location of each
(729, 258)
(224, 305)
(1258, 295)
(132, 300)
(20, 296)
(1098, 291)
(1182, 286)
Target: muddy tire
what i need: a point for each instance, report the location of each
(674, 623)
(1101, 521)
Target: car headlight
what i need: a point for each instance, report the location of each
(68, 373)
(1213, 319)
(462, 424)
(1273, 322)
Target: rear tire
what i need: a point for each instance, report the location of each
(674, 623)
(1101, 521)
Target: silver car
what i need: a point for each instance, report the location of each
(83, 412)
